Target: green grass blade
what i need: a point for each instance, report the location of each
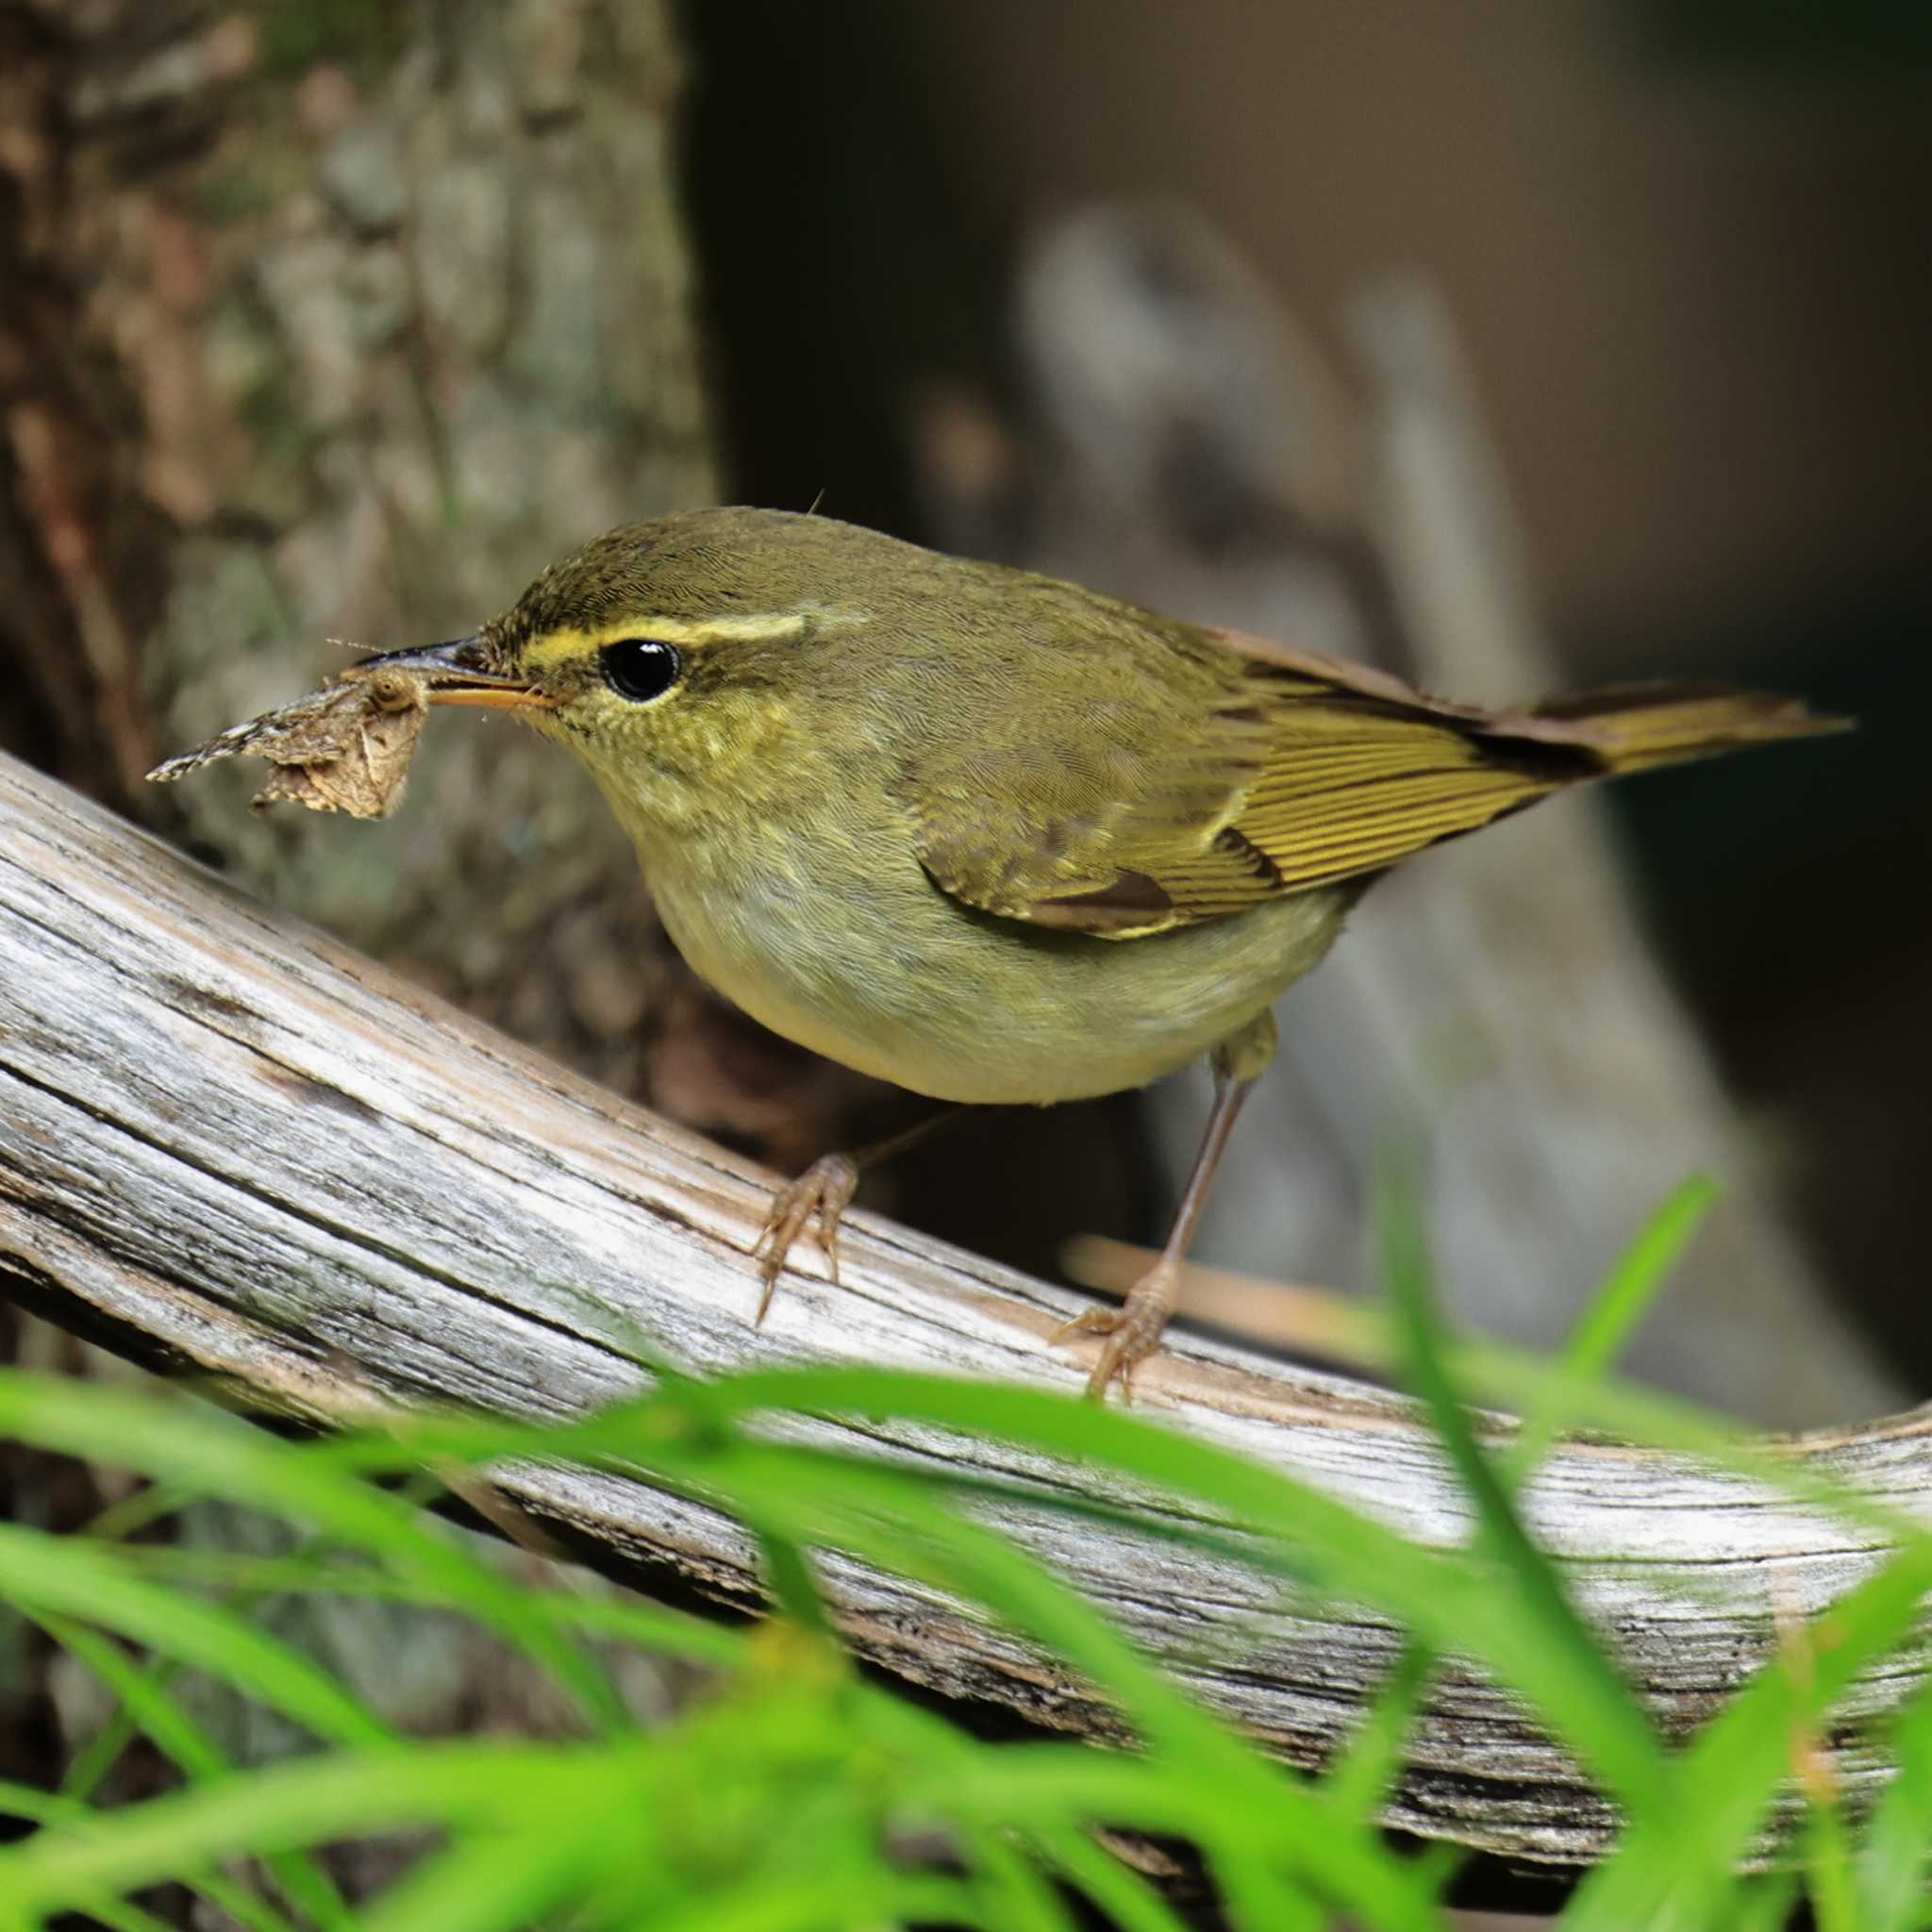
(1612, 1317)
(48, 1576)
(1727, 1778)
(1631, 1287)
(1125, 1899)
(1364, 1774)
(203, 1452)
(828, 1901)
(495, 1882)
(302, 1802)
(1828, 1867)
(1011, 1892)
(597, 1836)
(1517, 1379)
(1764, 1905)
(788, 1575)
(1604, 1718)
(868, 1515)
(161, 1718)
(619, 1618)
(1437, 1595)
(65, 1815)
(1895, 1859)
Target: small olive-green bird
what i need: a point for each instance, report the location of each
(998, 839)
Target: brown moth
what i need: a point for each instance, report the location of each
(346, 747)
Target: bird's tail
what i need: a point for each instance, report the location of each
(1634, 726)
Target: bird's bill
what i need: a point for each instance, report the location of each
(458, 673)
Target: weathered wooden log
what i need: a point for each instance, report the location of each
(233, 1147)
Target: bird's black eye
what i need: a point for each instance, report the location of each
(641, 668)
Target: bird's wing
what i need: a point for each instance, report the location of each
(1296, 771)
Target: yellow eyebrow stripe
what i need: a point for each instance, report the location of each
(554, 646)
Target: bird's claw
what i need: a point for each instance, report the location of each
(1133, 1330)
(825, 1190)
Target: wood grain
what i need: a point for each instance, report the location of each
(232, 1145)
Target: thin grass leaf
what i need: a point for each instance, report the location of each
(794, 1589)
(1513, 1378)
(121, 1915)
(1519, 1379)
(1057, 1787)
(49, 1575)
(65, 1815)
(621, 1617)
(1768, 1904)
(1611, 1318)
(150, 1709)
(866, 1515)
(950, 1554)
(1896, 1858)
(874, 1510)
(1828, 1867)
(1362, 1778)
(1358, 1784)
(309, 1801)
(205, 1453)
(496, 1881)
(1011, 1892)
(1253, 1894)
(1605, 1720)
(1727, 1778)
(101, 1752)
(1286, 1855)
(141, 1510)
(828, 1901)
(1119, 1894)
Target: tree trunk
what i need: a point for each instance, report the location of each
(322, 317)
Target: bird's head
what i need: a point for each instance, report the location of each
(681, 658)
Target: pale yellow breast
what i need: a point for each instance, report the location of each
(844, 945)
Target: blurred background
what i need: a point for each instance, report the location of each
(1514, 344)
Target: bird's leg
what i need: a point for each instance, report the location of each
(825, 1190)
(1133, 1330)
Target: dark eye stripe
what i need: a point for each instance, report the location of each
(641, 668)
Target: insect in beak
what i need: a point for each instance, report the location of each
(458, 673)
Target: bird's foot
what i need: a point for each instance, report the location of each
(1133, 1330)
(825, 1190)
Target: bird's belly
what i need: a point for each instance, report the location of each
(902, 982)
